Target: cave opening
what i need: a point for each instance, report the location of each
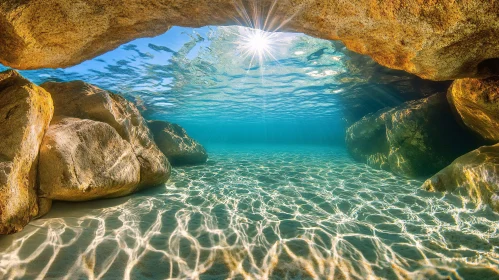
(289, 189)
(242, 85)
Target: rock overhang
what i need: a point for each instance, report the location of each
(438, 41)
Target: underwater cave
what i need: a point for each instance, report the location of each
(249, 140)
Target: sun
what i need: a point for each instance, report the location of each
(257, 44)
(260, 39)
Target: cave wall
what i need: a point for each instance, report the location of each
(438, 40)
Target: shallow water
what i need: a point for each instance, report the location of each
(282, 212)
(273, 210)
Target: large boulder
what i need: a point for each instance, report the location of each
(85, 159)
(81, 100)
(25, 113)
(174, 142)
(476, 104)
(475, 174)
(437, 40)
(415, 139)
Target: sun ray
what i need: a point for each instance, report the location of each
(259, 37)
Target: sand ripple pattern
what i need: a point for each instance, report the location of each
(263, 213)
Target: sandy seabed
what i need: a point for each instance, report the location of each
(254, 212)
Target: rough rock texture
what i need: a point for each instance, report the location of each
(476, 104)
(81, 100)
(84, 160)
(174, 142)
(25, 113)
(415, 139)
(475, 174)
(433, 39)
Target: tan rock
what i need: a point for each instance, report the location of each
(25, 113)
(173, 141)
(436, 40)
(155, 168)
(84, 159)
(415, 139)
(44, 206)
(475, 174)
(476, 104)
(81, 100)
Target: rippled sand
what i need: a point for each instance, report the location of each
(278, 213)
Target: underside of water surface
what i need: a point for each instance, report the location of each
(280, 196)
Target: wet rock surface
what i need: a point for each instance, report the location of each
(95, 144)
(25, 113)
(475, 174)
(84, 159)
(81, 100)
(177, 146)
(476, 104)
(415, 139)
(439, 41)
(366, 140)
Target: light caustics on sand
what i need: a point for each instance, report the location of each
(257, 214)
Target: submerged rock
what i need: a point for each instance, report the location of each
(476, 103)
(366, 140)
(25, 113)
(415, 139)
(437, 40)
(84, 160)
(174, 142)
(81, 100)
(475, 174)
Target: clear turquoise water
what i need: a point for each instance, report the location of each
(263, 211)
(191, 75)
(279, 197)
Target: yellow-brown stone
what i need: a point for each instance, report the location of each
(476, 104)
(437, 40)
(85, 159)
(475, 174)
(176, 145)
(81, 100)
(25, 113)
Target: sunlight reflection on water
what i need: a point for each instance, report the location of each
(301, 213)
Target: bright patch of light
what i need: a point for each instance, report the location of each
(317, 74)
(256, 44)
